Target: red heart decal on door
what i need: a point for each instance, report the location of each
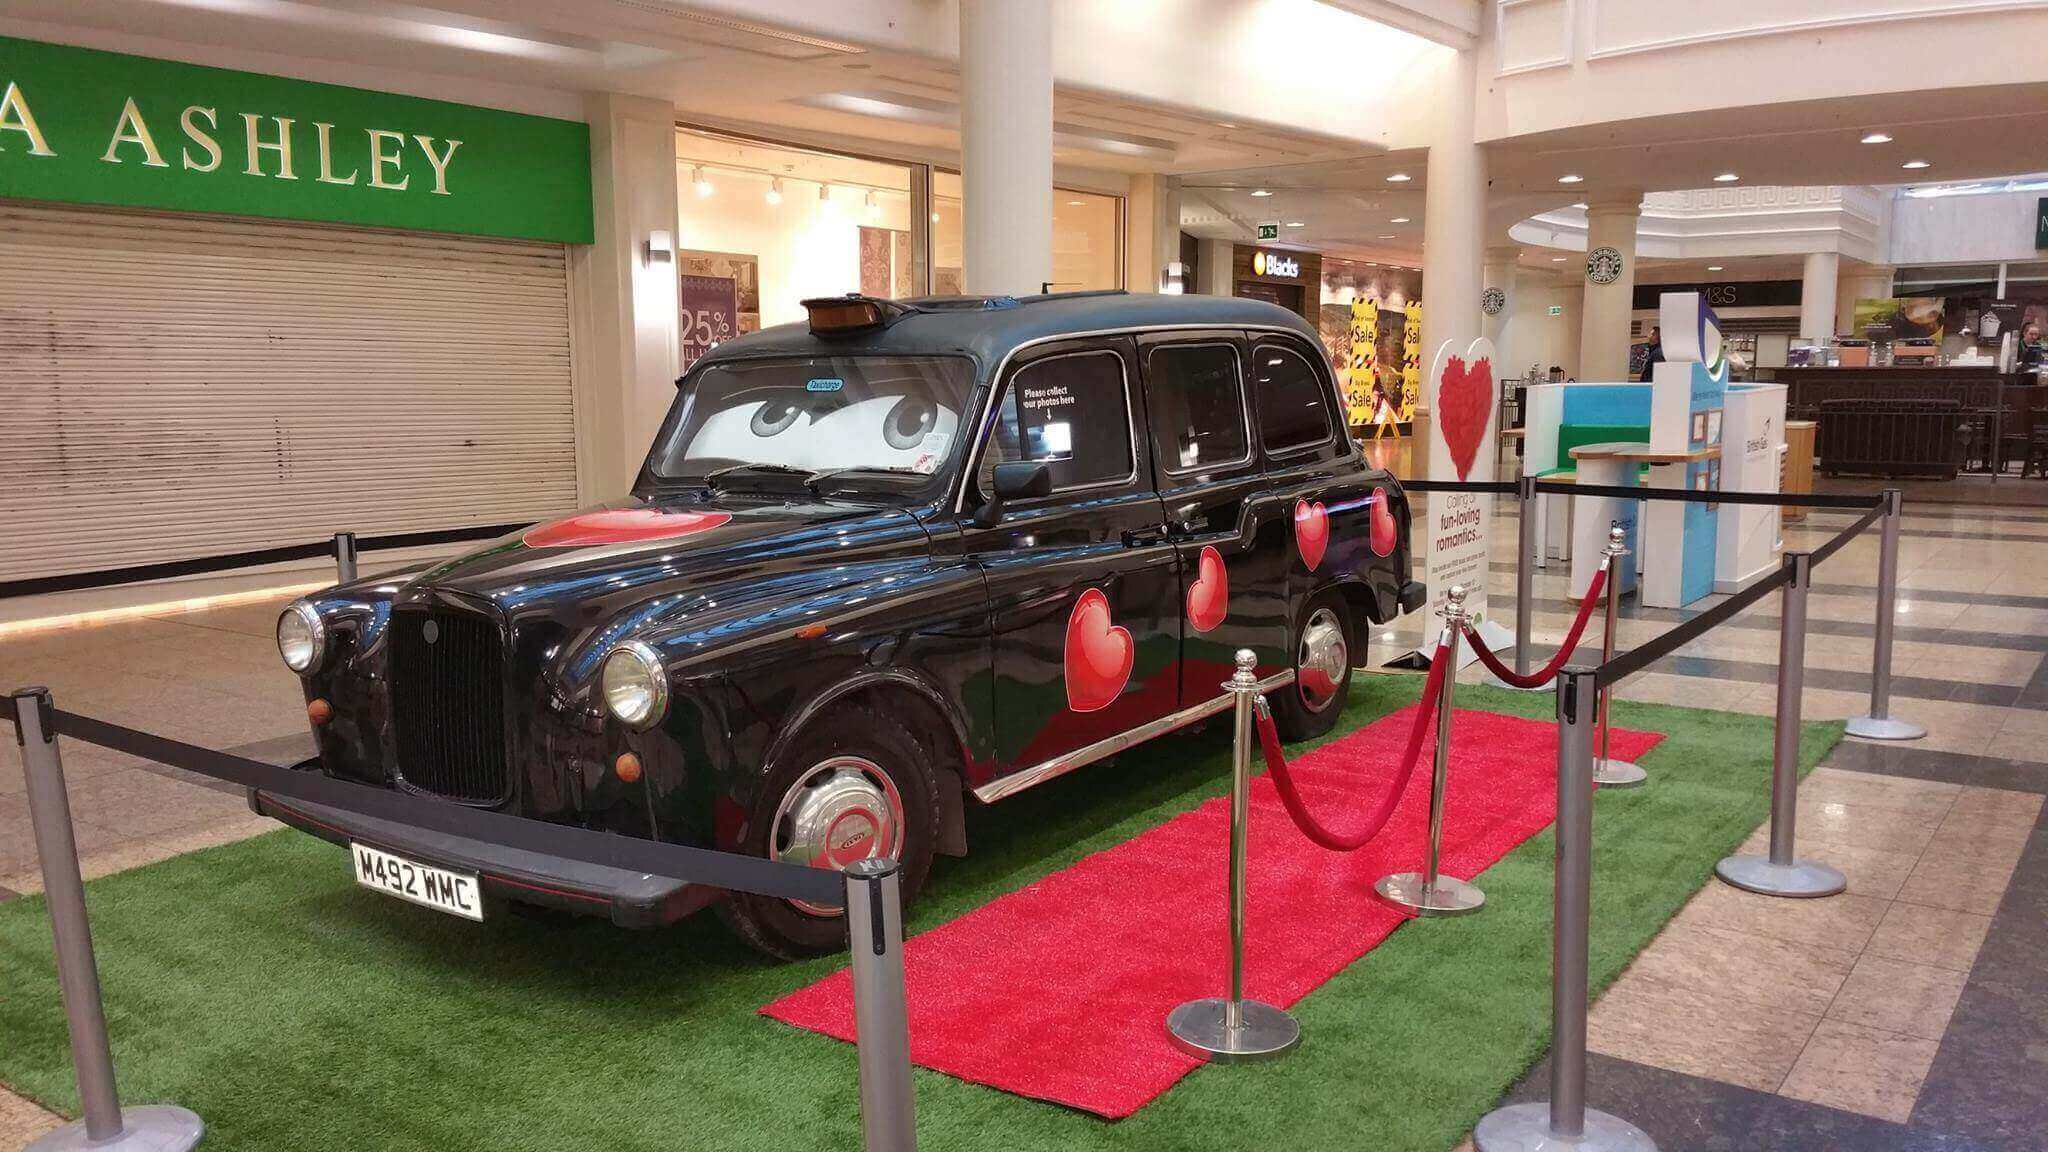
(619, 526)
(1311, 531)
(1209, 594)
(1098, 654)
(1384, 529)
(1464, 405)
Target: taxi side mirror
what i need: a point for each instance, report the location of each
(1016, 480)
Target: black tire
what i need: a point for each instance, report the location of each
(1305, 709)
(781, 928)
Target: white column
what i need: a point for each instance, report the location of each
(623, 302)
(1218, 262)
(1817, 295)
(1498, 272)
(1603, 338)
(1006, 144)
(1151, 231)
(1454, 218)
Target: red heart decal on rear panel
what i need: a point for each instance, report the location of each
(1464, 405)
(1385, 531)
(1311, 531)
(1209, 594)
(620, 526)
(1098, 654)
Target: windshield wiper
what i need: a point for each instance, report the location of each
(716, 477)
(816, 480)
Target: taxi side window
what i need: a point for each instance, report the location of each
(1294, 408)
(1071, 411)
(1197, 402)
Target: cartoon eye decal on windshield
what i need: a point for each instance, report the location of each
(908, 421)
(774, 417)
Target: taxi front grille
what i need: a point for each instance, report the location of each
(448, 704)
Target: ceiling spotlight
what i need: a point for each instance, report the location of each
(1077, 203)
(775, 190)
(1296, 224)
(1559, 259)
(1399, 178)
(1916, 164)
(1877, 138)
(1260, 192)
(935, 217)
(701, 181)
(1726, 178)
(1713, 267)
(1571, 178)
(1580, 205)
(1398, 220)
(1388, 236)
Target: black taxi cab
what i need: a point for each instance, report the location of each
(903, 558)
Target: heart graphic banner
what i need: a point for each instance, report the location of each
(1464, 397)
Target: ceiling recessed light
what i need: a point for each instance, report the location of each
(1077, 203)
(1399, 178)
(1225, 124)
(1713, 267)
(1296, 224)
(1914, 164)
(1388, 236)
(1877, 138)
(1581, 205)
(1570, 178)
(1559, 259)
(1726, 178)
(935, 217)
(1260, 192)
(1398, 220)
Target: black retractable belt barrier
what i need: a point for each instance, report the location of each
(1497, 487)
(172, 569)
(1855, 503)
(610, 850)
(1847, 534)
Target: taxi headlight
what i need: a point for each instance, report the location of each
(635, 685)
(301, 638)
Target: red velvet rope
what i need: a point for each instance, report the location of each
(1290, 798)
(1543, 675)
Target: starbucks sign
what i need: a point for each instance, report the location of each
(85, 127)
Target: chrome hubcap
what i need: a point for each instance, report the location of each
(842, 810)
(1321, 663)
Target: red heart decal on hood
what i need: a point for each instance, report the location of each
(1311, 531)
(619, 526)
(1464, 405)
(1385, 530)
(1098, 654)
(1209, 594)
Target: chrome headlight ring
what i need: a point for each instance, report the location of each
(634, 685)
(302, 638)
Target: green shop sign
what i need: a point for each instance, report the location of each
(87, 127)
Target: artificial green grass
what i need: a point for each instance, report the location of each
(258, 986)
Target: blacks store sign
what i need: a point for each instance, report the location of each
(1725, 294)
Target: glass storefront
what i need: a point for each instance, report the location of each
(763, 226)
(1087, 238)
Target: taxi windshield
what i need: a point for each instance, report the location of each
(841, 418)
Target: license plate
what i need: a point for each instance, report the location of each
(455, 893)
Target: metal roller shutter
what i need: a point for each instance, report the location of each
(178, 386)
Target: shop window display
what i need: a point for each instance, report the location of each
(1087, 238)
(760, 227)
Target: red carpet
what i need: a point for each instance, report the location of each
(1060, 991)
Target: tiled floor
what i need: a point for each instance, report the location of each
(1909, 1012)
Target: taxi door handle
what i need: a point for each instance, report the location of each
(1145, 537)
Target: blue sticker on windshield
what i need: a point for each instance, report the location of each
(829, 384)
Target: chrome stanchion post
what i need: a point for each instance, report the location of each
(881, 1019)
(1607, 771)
(1880, 724)
(105, 1125)
(1426, 892)
(1525, 569)
(1234, 1028)
(1564, 1123)
(1781, 873)
(344, 557)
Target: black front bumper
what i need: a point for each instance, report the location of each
(504, 874)
(1413, 593)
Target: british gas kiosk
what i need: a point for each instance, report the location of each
(1688, 409)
